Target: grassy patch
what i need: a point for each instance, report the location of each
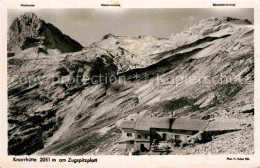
(17, 90)
(62, 71)
(102, 120)
(225, 92)
(116, 87)
(228, 91)
(96, 104)
(176, 104)
(135, 100)
(10, 54)
(15, 61)
(55, 126)
(242, 57)
(28, 101)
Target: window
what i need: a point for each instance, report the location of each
(129, 135)
(177, 136)
(139, 136)
(146, 137)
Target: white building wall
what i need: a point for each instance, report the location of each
(125, 131)
(171, 135)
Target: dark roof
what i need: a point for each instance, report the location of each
(189, 124)
(128, 124)
(163, 122)
(145, 123)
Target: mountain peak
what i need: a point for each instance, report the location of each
(28, 15)
(29, 31)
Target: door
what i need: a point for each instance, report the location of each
(143, 148)
(164, 136)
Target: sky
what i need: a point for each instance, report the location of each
(90, 25)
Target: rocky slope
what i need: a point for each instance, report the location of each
(206, 71)
(234, 144)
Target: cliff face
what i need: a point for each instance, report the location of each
(206, 71)
(29, 31)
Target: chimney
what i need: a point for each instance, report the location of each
(171, 119)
